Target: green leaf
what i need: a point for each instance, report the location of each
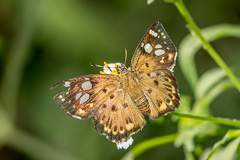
(201, 107)
(191, 129)
(216, 151)
(207, 81)
(238, 151)
(229, 152)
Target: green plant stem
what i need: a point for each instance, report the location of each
(235, 123)
(151, 143)
(183, 10)
(35, 147)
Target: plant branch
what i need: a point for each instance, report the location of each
(234, 122)
(151, 143)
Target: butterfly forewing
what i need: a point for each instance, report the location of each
(155, 51)
(85, 94)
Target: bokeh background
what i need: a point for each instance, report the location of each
(46, 41)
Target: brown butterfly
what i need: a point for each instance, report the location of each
(118, 98)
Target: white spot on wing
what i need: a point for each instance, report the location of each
(159, 52)
(148, 48)
(125, 144)
(155, 34)
(158, 46)
(142, 44)
(77, 117)
(171, 68)
(87, 85)
(150, 31)
(84, 98)
(67, 84)
(78, 95)
(87, 79)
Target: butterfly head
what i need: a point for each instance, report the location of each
(114, 68)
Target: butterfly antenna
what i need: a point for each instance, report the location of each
(96, 65)
(125, 59)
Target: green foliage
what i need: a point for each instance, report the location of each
(229, 151)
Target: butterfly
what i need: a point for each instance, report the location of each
(119, 97)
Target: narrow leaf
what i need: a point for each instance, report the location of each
(207, 81)
(229, 135)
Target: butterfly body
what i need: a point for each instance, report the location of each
(118, 99)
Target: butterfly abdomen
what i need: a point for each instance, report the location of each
(143, 105)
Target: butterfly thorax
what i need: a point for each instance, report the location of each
(128, 83)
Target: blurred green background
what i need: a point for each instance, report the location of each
(46, 41)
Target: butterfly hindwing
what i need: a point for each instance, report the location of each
(118, 118)
(161, 89)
